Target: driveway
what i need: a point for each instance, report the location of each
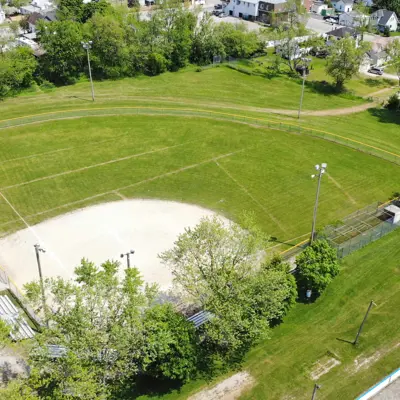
(391, 392)
(318, 25)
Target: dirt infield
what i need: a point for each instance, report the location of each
(99, 233)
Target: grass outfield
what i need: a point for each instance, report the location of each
(282, 365)
(213, 86)
(47, 169)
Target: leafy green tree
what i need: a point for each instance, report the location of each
(221, 268)
(97, 320)
(102, 7)
(64, 57)
(110, 55)
(156, 64)
(169, 344)
(345, 59)
(206, 43)
(237, 41)
(393, 50)
(17, 68)
(392, 5)
(317, 265)
(70, 10)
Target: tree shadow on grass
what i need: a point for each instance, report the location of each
(324, 88)
(386, 116)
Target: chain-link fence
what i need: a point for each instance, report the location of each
(361, 228)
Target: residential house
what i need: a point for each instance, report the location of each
(384, 19)
(247, 9)
(340, 33)
(377, 58)
(272, 11)
(33, 19)
(343, 5)
(353, 19)
(318, 6)
(38, 6)
(368, 3)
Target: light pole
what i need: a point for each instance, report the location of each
(305, 66)
(87, 46)
(363, 322)
(320, 171)
(128, 260)
(314, 393)
(39, 249)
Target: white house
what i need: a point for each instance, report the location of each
(247, 9)
(37, 6)
(343, 5)
(318, 6)
(384, 18)
(353, 19)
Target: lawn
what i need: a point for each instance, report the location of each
(219, 87)
(282, 366)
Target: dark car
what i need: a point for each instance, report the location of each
(218, 7)
(376, 71)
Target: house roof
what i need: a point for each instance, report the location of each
(347, 1)
(275, 1)
(341, 32)
(50, 16)
(379, 54)
(386, 15)
(34, 17)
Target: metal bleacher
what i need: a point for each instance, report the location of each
(10, 315)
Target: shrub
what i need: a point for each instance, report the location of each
(393, 102)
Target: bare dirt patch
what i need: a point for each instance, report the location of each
(229, 389)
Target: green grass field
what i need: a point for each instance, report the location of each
(59, 152)
(282, 366)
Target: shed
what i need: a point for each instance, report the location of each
(394, 211)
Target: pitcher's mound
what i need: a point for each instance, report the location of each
(100, 233)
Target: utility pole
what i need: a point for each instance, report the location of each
(39, 249)
(363, 322)
(314, 393)
(87, 46)
(321, 170)
(128, 261)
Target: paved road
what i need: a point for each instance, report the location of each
(392, 392)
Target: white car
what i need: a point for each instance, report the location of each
(200, 2)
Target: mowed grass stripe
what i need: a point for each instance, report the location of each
(342, 139)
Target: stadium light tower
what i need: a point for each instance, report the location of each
(39, 249)
(321, 169)
(128, 260)
(87, 46)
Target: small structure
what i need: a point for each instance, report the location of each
(272, 11)
(247, 9)
(353, 19)
(200, 318)
(383, 19)
(394, 212)
(318, 6)
(343, 6)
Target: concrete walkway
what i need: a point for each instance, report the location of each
(391, 392)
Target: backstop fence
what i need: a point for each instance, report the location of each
(361, 228)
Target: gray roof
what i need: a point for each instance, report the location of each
(275, 1)
(347, 1)
(341, 32)
(386, 14)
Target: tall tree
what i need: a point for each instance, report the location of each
(222, 269)
(96, 322)
(393, 49)
(64, 57)
(345, 58)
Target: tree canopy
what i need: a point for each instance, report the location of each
(345, 58)
(317, 265)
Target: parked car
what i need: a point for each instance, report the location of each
(217, 12)
(200, 2)
(222, 15)
(218, 7)
(376, 71)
